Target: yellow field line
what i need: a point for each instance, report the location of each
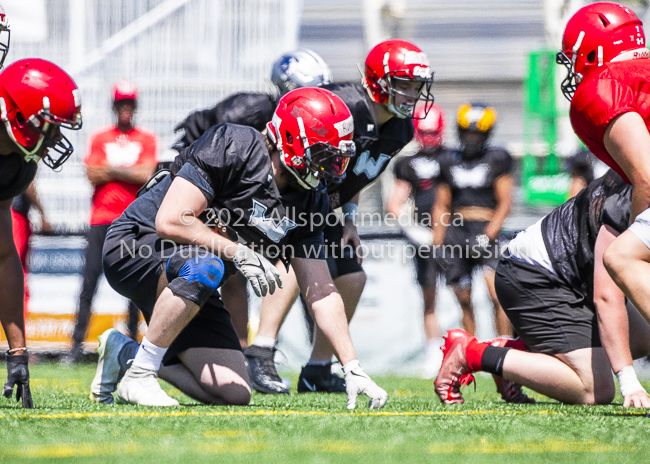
(84, 415)
(288, 412)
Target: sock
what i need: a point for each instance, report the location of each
(492, 359)
(474, 353)
(311, 362)
(127, 353)
(149, 356)
(264, 342)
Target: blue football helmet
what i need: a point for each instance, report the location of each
(299, 68)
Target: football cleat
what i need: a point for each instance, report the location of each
(454, 371)
(510, 391)
(140, 386)
(109, 368)
(261, 370)
(320, 379)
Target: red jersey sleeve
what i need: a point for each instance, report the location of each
(95, 156)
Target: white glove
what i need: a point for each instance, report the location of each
(262, 275)
(357, 382)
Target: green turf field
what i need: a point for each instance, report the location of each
(413, 427)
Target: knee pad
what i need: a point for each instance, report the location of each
(194, 273)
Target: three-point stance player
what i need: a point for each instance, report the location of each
(262, 193)
(37, 99)
(564, 306)
(608, 82)
(397, 75)
(292, 70)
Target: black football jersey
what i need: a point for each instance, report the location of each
(375, 148)
(570, 231)
(15, 175)
(421, 171)
(230, 164)
(472, 180)
(251, 109)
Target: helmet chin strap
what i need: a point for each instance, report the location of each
(30, 155)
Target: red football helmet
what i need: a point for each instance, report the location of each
(37, 96)
(392, 61)
(596, 34)
(312, 129)
(125, 90)
(429, 127)
(4, 28)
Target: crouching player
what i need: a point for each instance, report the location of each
(565, 307)
(261, 191)
(37, 99)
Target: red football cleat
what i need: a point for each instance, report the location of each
(454, 371)
(510, 391)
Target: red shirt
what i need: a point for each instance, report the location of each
(611, 90)
(111, 147)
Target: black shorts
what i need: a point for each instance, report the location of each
(548, 315)
(134, 273)
(426, 267)
(463, 257)
(340, 262)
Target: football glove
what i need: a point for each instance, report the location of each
(262, 275)
(18, 375)
(358, 382)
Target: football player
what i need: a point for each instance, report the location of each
(37, 99)
(475, 184)
(262, 193)
(565, 307)
(416, 177)
(608, 80)
(396, 77)
(299, 68)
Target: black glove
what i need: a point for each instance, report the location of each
(18, 374)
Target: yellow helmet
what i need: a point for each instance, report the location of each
(476, 116)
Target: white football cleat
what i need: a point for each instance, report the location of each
(108, 372)
(140, 386)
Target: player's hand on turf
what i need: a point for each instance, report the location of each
(262, 275)
(637, 399)
(18, 376)
(351, 234)
(357, 382)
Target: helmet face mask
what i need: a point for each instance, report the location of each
(35, 110)
(597, 34)
(5, 36)
(312, 130)
(389, 66)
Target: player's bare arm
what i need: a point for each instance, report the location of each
(613, 324)
(441, 212)
(503, 194)
(350, 232)
(628, 142)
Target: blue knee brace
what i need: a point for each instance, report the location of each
(194, 274)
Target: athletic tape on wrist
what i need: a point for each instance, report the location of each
(628, 382)
(349, 211)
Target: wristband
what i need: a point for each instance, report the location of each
(627, 381)
(349, 211)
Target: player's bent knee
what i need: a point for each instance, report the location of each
(194, 274)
